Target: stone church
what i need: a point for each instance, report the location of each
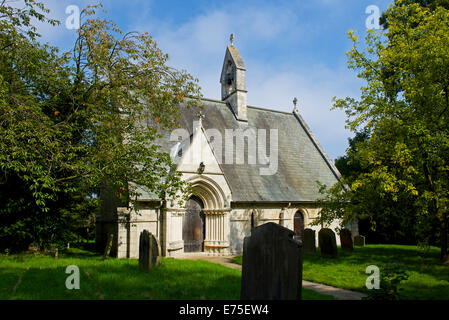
(236, 186)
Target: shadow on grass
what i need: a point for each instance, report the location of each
(43, 277)
(173, 279)
(382, 255)
(429, 279)
(79, 253)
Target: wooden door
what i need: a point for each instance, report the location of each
(193, 226)
(298, 225)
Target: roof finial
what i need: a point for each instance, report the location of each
(295, 101)
(200, 118)
(197, 125)
(231, 38)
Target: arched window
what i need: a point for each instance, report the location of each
(298, 225)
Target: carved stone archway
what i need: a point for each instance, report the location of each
(216, 214)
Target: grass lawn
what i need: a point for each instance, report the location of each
(429, 280)
(29, 276)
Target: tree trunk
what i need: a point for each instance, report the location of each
(107, 250)
(444, 255)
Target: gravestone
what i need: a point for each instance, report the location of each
(272, 264)
(359, 241)
(155, 250)
(346, 239)
(107, 249)
(149, 251)
(308, 241)
(54, 252)
(327, 243)
(144, 250)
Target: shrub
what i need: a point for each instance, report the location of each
(390, 278)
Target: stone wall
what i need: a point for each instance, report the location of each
(106, 221)
(130, 225)
(227, 228)
(240, 221)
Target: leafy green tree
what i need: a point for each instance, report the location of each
(405, 107)
(380, 226)
(77, 121)
(349, 164)
(430, 4)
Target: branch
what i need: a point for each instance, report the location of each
(447, 102)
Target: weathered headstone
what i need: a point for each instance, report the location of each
(272, 264)
(346, 239)
(155, 250)
(149, 251)
(327, 242)
(54, 252)
(359, 241)
(144, 250)
(308, 241)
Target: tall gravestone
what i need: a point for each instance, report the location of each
(327, 243)
(359, 241)
(308, 241)
(272, 264)
(149, 251)
(346, 240)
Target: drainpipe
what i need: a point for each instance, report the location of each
(160, 223)
(283, 216)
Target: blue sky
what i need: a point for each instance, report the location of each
(290, 49)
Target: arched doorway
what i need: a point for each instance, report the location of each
(298, 225)
(193, 225)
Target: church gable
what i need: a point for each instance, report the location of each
(195, 154)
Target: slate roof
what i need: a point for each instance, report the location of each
(301, 160)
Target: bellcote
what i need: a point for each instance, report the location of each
(233, 85)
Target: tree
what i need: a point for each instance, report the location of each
(380, 226)
(77, 121)
(349, 164)
(430, 4)
(405, 107)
